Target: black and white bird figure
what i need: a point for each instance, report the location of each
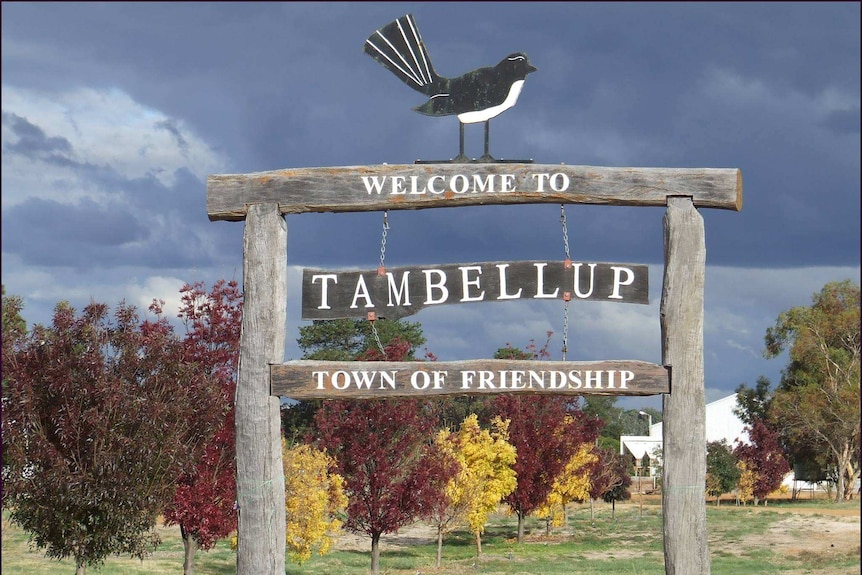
(476, 96)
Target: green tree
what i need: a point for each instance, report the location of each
(96, 430)
(603, 407)
(14, 331)
(816, 407)
(722, 471)
(343, 340)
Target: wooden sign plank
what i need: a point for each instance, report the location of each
(402, 291)
(418, 186)
(306, 379)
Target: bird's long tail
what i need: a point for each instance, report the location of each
(399, 47)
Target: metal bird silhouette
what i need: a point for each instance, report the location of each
(476, 96)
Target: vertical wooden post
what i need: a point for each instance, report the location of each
(686, 550)
(259, 472)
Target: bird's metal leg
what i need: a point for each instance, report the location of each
(487, 156)
(461, 157)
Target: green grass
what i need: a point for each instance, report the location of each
(631, 544)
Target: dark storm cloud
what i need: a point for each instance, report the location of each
(46, 232)
(32, 142)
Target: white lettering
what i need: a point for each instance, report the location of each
(417, 375)
(540, 283)
(507, 183)
(467, 282)
(440, 379)
(625, 377)
(459, 180)
(324, 304)
(467, 378)
(480, 186)
(431, 187)
(503, 294)
(319, 375)
(537, 379)
(414, 191)
(361, 292)
(340, 380)
(559, 182)
(398, 185)
(430, 286)
(630, 277)
(398, 293)
(540, 184)
(373, 184)
(577, 281)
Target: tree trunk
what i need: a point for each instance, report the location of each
(520, 527)
(548, 527)
(80, 569)
(439, 545)
(592, 515)
(189, 546)
(478, 544)
(375, 554)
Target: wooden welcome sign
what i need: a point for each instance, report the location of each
(262, 199)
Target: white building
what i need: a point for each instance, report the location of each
(721, 423)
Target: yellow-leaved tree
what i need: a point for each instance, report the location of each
(745, 486)
(313, 497)
(572, 485)
(485, 475)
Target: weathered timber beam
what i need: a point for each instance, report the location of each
(308, 379)
(419, 186)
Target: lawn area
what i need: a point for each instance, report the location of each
(791, 538)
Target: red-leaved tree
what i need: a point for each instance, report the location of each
(546, 431)
(203, 505)
(384, 451)
(96, 430)
(764, 456)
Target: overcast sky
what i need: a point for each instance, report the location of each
(114, 114)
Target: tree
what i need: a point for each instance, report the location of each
(603, 407)
(347, 339)
(546, 431)
(344, 340)
(313, 498)
(764, 458)
(610, 478)
(572, 485)
(203, 505)
(745, 485)
(817, 405)
(384, 451)
(14, 331)
(96, 431)
(484, 475)
(753, 404)
(722, 473)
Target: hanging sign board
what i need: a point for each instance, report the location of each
(397, 292)
(306, 379)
